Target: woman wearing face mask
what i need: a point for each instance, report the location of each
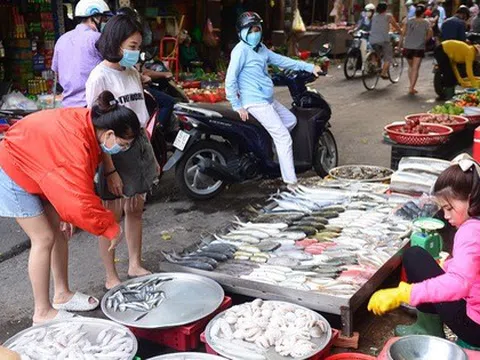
(125, 177)
(365, 23)
(47, 167)
(249, 89)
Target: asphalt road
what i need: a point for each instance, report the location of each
(357, 122)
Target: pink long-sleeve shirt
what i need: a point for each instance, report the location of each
(462, 274)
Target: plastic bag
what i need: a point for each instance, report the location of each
(17, 101)
(298, 25)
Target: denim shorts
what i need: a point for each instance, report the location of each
(16, 202)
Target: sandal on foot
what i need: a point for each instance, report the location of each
(78, 302)
(384, 77)
(61, 315)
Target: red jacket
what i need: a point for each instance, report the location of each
(54, 154)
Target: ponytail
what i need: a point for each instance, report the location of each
(107, 114)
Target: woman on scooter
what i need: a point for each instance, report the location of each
(365, 23)
(380, 35)
(449, 294)
(47, 168)
(124, 178)
(416, 32)
(249, 89)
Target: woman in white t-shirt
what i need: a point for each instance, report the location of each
(124, 178)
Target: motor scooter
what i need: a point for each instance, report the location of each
(215, 147)
(356, 54)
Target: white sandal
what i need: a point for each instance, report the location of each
(61, 315)
(78, 302)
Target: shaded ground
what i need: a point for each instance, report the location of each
(358, 119)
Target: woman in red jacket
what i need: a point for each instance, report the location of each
(47, 167)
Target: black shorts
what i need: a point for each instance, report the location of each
(411, 53)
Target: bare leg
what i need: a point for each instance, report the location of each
(108, 257)
(386, 66)
(133, 235)
(59, 259)
(417, 62)
(41, 235)
(410, 73)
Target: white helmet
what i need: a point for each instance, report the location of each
(370, 7)
(409, 2)
(88, 8)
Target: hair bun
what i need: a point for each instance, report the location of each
(106, 102)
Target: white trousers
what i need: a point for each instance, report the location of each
(279, 121)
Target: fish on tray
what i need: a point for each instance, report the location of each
(72, 340)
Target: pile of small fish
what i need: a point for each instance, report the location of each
(315, 239)
(205, 258)
(249, 330)
(141, 296)
(69, 340)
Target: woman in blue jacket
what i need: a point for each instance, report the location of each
(249, 89)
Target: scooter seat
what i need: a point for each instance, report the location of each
(226, 112)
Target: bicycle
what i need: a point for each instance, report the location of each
(373, 67)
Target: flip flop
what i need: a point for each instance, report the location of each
(61, 315)
(384, 77)
(78, 302)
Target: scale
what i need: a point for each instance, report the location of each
(426, 235)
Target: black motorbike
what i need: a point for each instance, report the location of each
(215, 147)
(356, 54)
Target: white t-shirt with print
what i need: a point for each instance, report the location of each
(125, 85)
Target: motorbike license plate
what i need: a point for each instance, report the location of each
(181, 140)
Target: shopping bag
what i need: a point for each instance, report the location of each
(298, 25)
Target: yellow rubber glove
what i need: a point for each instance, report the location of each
(386, 300)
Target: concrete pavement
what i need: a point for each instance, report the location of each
(357, 123)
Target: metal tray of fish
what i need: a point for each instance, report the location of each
(162, 300)
(186, 356)
(271, 354)
(361, 173)
(90, 330)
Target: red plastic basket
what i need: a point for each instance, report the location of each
(181, 338)
(439, 136)
(351, 356)
(474, 119)
(320, 356)
(460, 121)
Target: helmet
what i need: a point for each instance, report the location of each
(127, 11)
(409, 2)
(464, 10)
(247, 20)
(88, 8)
(370, 7)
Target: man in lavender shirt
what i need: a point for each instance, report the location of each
(75, 54)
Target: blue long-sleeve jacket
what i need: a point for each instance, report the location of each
(248, 82)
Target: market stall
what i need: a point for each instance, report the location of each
(431, 138)
(331, 257)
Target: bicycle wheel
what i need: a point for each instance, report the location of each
(350, 66)
(371, 71)
(396, 68)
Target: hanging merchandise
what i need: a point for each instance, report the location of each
(209, 37)
(298, 25)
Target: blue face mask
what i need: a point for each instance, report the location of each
(115, 149)
(254, 38)
(102, 26)
(130, 58)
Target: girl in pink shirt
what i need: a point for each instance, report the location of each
(450, 295)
